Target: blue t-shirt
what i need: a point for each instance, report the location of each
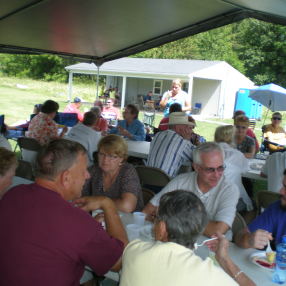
(136, 128)
(273, 219)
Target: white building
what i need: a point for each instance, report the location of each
(211, 84)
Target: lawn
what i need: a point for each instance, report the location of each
(17, 104)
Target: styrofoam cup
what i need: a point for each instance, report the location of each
(139, 218)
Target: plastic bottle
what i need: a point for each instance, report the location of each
(279, 275)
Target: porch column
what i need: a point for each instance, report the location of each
(123, 92)
(70, 86)
(190, 89)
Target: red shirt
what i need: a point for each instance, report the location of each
(251, 134)
(164, 124)
(47, 241)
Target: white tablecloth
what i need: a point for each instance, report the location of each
(139, 149)
(241, 257)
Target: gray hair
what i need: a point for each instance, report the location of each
(206, 148)
(96, 110)
(184, 215)
(58, 156)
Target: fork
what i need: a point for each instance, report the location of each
(196, 245)
(268, 248)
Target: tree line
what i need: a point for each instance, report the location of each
(255, 48)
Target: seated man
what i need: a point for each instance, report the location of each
(47, 238)
(74, 107)
(271, 224)
(109, 111)
(273, 171)
(171, 148)
(170, 260)
(85, 133)
(275, 133)
(219, 196)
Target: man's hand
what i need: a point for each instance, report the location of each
(259, 238)
(93, 203)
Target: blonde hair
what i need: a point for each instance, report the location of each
(241, 120)
(8, 160)
(177, 81)
(224, 133)
(113, 144)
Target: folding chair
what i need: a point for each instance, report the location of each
(67, 119)
(25, 170)
(152, 178)
(264, 199)
(238, 224)
(147, 195)
(29, 148)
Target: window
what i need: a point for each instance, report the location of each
(157, 87)
(185, 87)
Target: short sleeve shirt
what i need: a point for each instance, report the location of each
(127, 181)
(273, 219)
(48, 241)
(42, 128)
(246, 145)
(220, 202)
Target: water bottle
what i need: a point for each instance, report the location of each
(279, 275)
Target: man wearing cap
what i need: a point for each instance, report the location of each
(170, 149)
(74, 107)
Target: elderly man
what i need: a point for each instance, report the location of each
(170, 149)
(271, 224)
(219, 196)
(170, 260)
(48, 240)
(85, 133)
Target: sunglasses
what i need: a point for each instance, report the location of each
(276, 118)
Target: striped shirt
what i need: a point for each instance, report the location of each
(168, 152)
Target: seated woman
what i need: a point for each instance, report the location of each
(244, 143)
(130, 127)
(8, 165)
(101, 123)
(275, 133)
(170, 259)
(113, 177)
(236, 163)
(42, 127)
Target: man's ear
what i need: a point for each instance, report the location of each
(163, 234)
(195, 167)
(64, 178)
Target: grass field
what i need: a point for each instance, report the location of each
(17, 104)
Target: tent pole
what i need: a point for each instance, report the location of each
(123, 92)
(97, 82)
(70, 86)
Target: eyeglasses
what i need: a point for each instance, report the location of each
(108, 156)
(240, 127)
(276, 118)
(108, 101)
(219, 169)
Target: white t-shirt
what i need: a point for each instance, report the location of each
(274, 167)
(220, 202)
(236, 165)
(87, 137)
(168, 264)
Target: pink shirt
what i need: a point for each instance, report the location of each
(71, 108)
(101, 125)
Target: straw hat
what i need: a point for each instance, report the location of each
(176, 118)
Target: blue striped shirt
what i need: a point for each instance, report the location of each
(168, 151)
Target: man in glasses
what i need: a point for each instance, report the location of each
(110, 112)
(219, 196)
(275, 133)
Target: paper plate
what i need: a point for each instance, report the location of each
(259, 259)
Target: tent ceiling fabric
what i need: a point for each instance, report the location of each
(103, 30)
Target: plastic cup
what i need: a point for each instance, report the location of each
(132, 231)
(139, 218)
